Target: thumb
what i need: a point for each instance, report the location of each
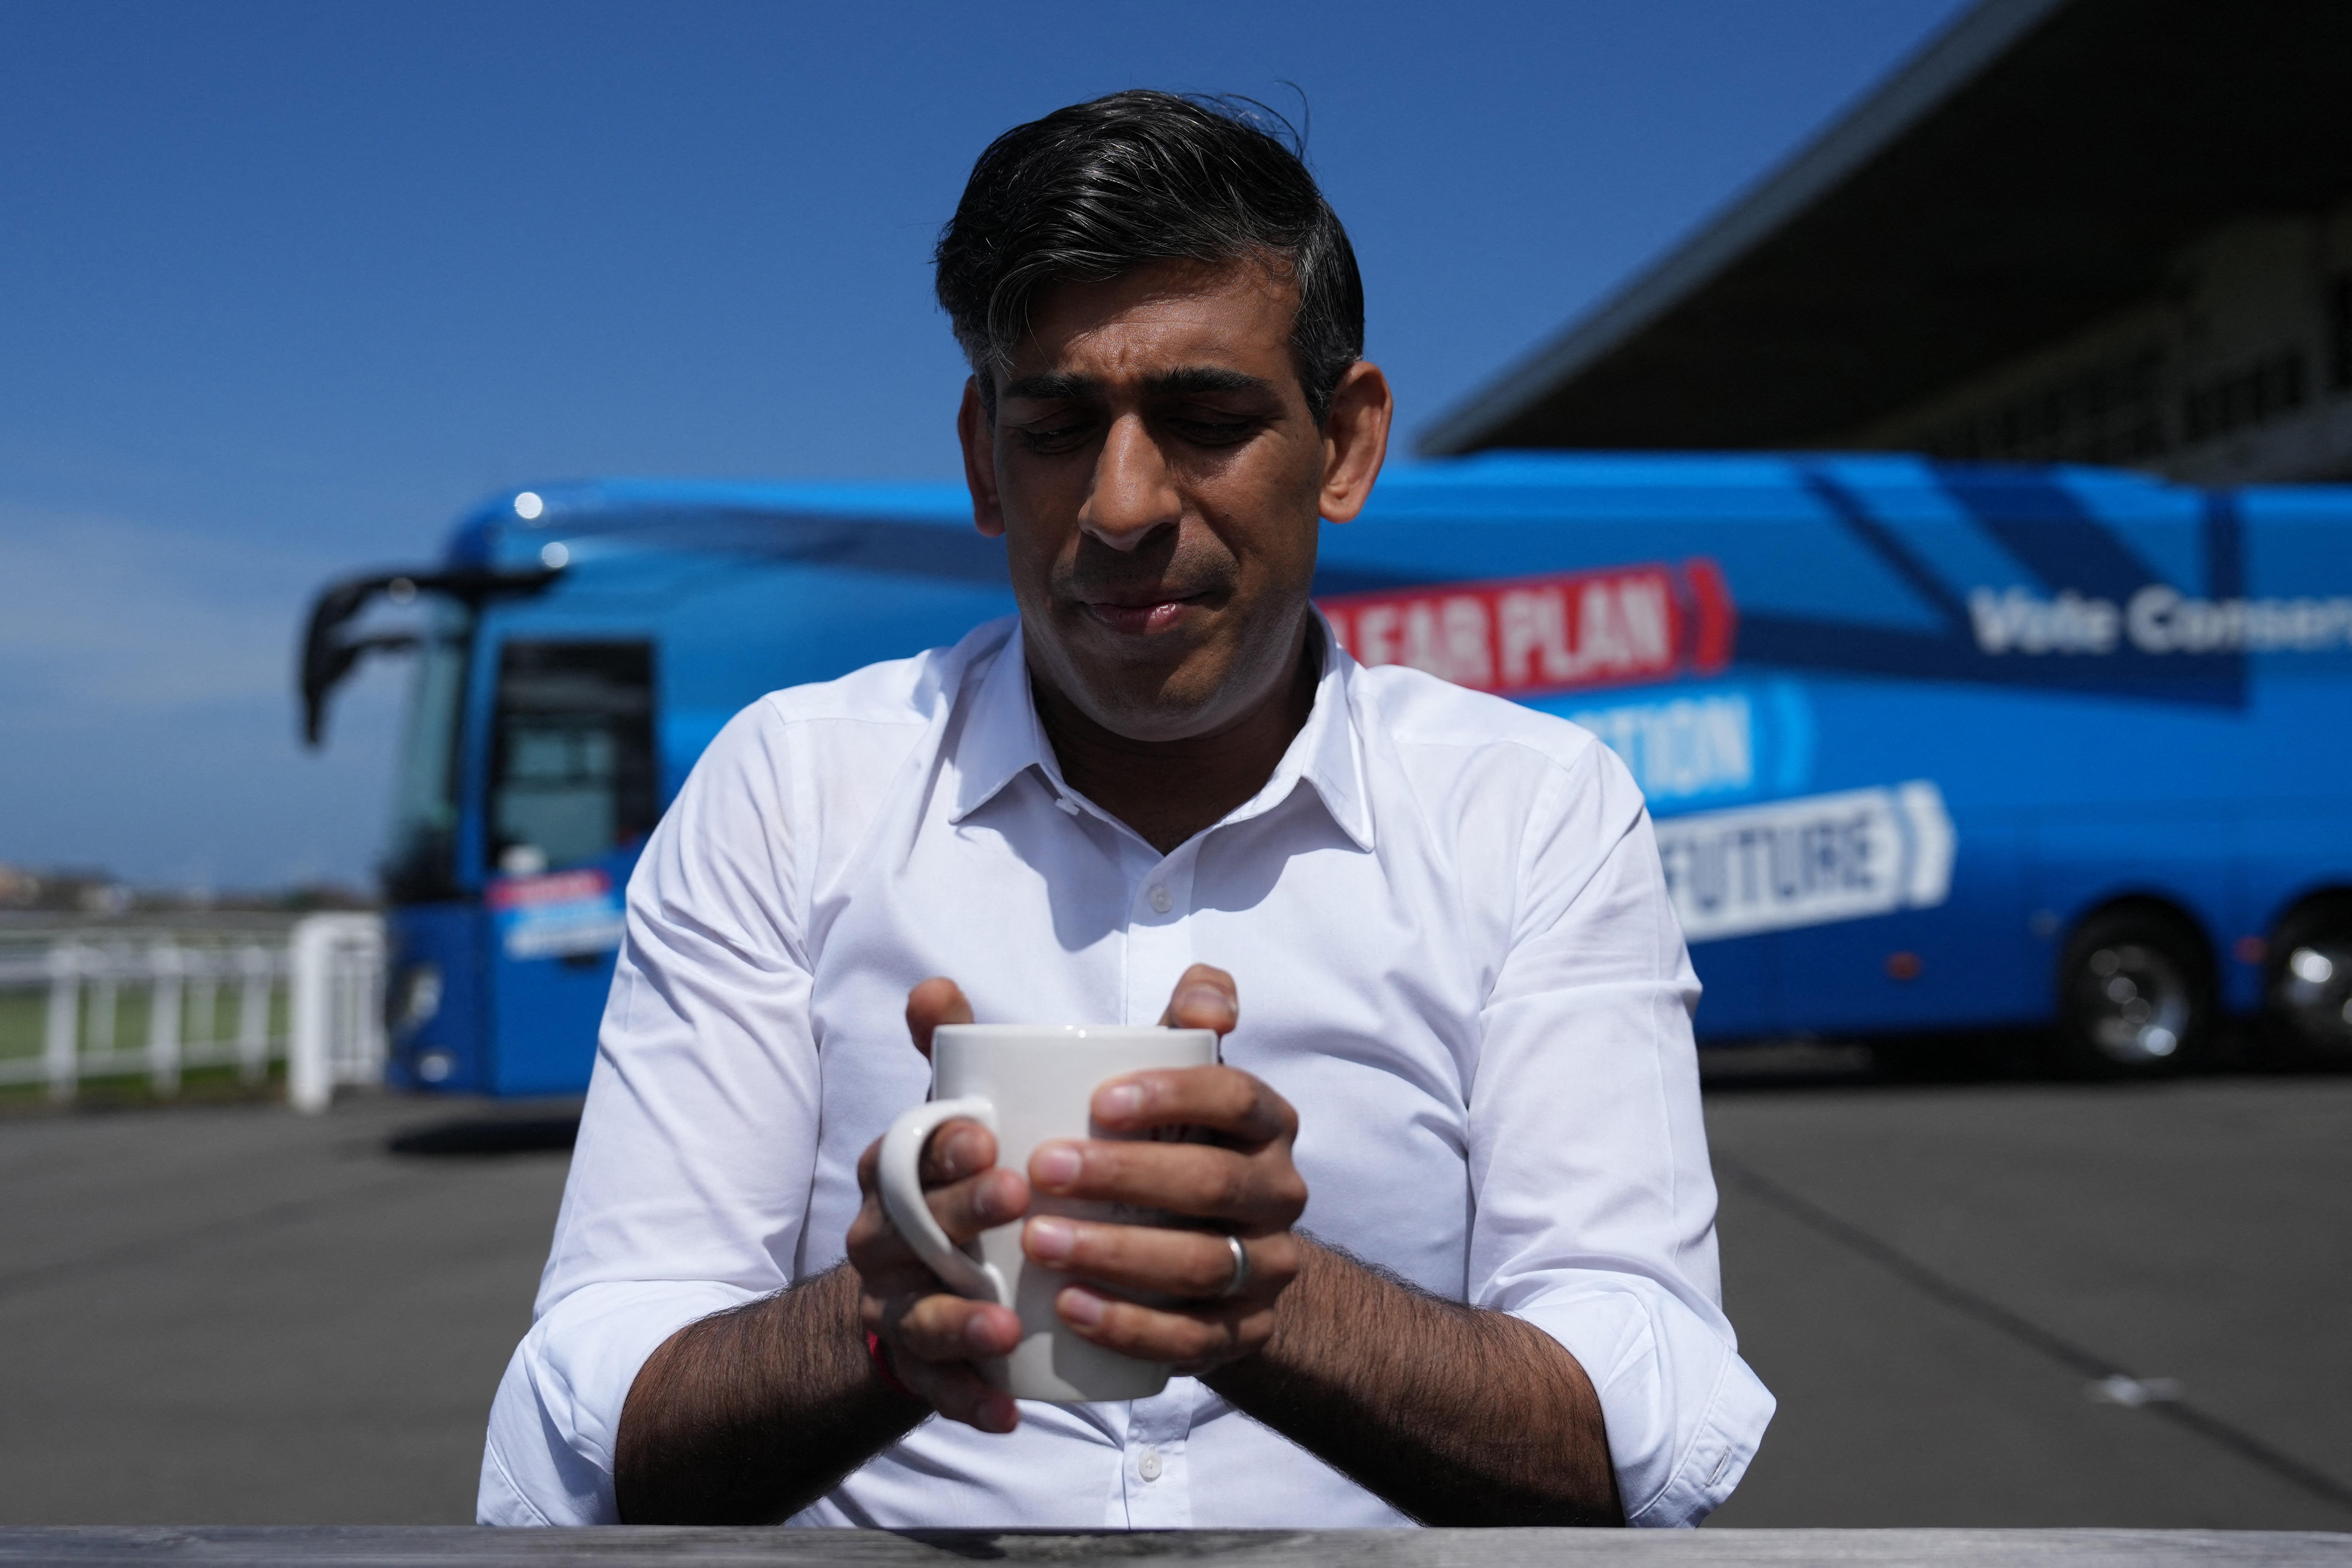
(1204, 998)
(935, 1002)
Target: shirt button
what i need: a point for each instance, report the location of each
(1151, 1464)
(1160, 903)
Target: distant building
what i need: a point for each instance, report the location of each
(2114, 231)
(53, 892)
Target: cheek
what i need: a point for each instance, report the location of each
(1280, 494)
(1033, 486)
(1032, 562)
(1035, 535)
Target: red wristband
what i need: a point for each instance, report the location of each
(882, 1368)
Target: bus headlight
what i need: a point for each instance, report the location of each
(413, 998)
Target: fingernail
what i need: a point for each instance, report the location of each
(998, 1200)
(1083, 1308)
(961, 1155)
(1203, 999)
(1054, 1165)
(1051, 1240)
(1120, 1103)
(980, 1333)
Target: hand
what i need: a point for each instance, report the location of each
(932, 1335)
(1242, 1185)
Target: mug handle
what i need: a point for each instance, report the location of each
(900, 1180)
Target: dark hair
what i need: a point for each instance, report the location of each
(1096, 190)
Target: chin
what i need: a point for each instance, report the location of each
(1169, 687)
(1152, 716)
(1142, 706)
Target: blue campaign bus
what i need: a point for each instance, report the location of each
(1930, 747)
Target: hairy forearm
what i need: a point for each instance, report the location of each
(748, 1416)
(1455, 1415)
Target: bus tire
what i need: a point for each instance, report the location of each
(2308, 993)
(2135, 995)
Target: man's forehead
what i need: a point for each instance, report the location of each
(1170, 381)
(1168, 319)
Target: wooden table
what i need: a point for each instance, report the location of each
(622, 1548)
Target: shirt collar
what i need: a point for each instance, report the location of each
(1328, 752)
(1002, 739)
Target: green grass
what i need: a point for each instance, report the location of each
(24, 1019)
(206, 1086)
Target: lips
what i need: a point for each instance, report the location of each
(1142, 615)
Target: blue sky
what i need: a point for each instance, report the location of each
(284, 287)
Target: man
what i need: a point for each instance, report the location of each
(1456, 1138)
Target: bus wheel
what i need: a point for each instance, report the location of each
(2307, 1006)
(2135, 993)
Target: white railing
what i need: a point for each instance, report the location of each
(310, 998)
(336, 1006)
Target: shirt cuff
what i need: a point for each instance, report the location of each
(549, 1457)
(1684, 1413)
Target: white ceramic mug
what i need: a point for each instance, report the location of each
(1028, 1084)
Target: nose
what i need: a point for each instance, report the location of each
(1134, 492)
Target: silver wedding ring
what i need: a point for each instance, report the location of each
(1240, 1281)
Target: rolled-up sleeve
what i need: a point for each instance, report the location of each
(1595, 1203)
(689, 1184)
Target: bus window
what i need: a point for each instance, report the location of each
(423, 867)
(572, 762)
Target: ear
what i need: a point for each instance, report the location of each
(978, 434)
(1355, 439)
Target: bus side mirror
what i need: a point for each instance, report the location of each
(329, 658)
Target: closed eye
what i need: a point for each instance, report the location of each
(1218, 422)
(1054, 435)
(1217, 432)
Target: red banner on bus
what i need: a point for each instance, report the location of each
(1551, 633)
(563, 888)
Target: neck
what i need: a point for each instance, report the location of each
(1170, 789)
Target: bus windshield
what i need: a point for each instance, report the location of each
(423, 863)
(571, 752)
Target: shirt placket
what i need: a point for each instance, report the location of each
(1157, 1488)
(1159, 928)
(1157, 1485)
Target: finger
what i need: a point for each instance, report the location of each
(935, 1002)
(966, 1208)
(958, 1393)
(962, 1209)
(1222, 1099)
(1197, 1338)
(935, 1326)
(1205, 998)
(928, 1340)
(931, 1336)
(1190, 1264)
(957, 1149)
(882, 1257)
(954, 1388)
(1253, 1194)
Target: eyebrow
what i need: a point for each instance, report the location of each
(1054, 387)
(1051, 387)
(1209, 378)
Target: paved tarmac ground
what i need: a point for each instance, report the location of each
(1934, 1279)
(232, 1314)
(241, 1316)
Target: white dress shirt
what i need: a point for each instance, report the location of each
(1455, 957)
